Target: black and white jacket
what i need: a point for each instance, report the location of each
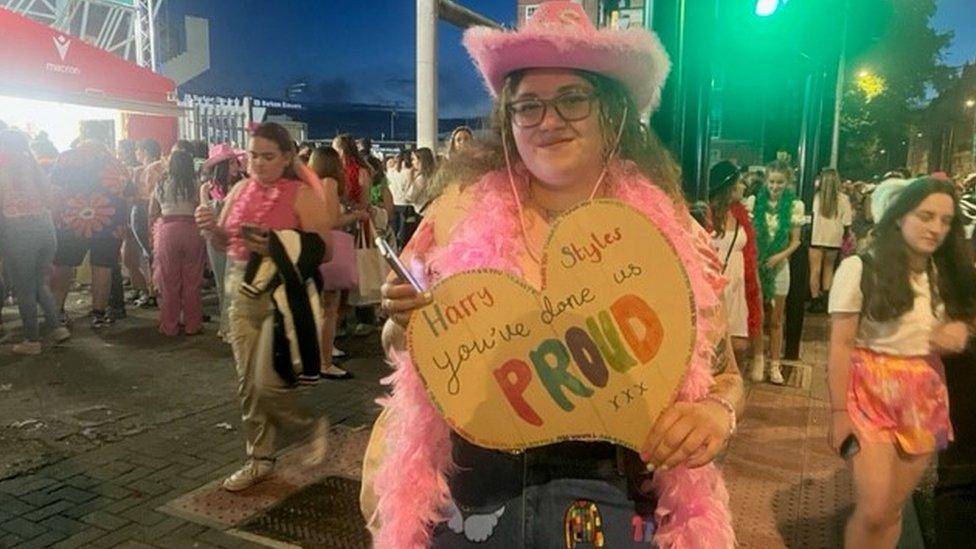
(290, 274)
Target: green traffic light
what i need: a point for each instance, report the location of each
(765, 8)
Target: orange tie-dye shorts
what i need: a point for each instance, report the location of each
(902, 400)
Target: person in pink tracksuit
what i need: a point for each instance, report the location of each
(179, 250)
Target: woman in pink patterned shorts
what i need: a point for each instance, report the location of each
(894, 310)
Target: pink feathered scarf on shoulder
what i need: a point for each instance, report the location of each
(412, 483)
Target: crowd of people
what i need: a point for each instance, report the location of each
(126, 213)
(165, 223)
(278, 226)
(892, 263)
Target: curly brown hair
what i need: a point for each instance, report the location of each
(885, 282)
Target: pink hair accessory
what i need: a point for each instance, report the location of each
(220, 152)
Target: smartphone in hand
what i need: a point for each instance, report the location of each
(850, 447)
(249, 230)
(398, 267)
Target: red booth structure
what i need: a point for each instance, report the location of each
(39, 63)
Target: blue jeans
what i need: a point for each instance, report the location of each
(28, 247)
(555, 497)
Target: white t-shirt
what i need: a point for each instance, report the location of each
(829, 231)
(170, 204)
(398, 185)
(905, 336)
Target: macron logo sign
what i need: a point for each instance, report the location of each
(62, 44)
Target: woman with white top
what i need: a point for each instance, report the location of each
(417, 189)
(893, 310)
(399, 174)
(734, 238)
(179, 250)
(832, 215)
(777, 217)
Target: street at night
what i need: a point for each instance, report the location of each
(469, 274)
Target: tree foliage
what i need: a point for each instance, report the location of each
(907, 52)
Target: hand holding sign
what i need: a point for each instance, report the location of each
(596, 354)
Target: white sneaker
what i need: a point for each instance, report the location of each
(757, 370)
(318, 443)
(253, 472)
(337, 353)
(27, 348)
(60, 334)
(335, 372)
(363, 330)
(775, 375)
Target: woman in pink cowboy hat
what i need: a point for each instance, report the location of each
(566, 129)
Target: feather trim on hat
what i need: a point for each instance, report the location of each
(633, 57)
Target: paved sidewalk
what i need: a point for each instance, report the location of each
(98, 435)
(125, 421)
(787, 488)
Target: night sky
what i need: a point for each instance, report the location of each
(346, 54)
(958, 16)
(363, 52)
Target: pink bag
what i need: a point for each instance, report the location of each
(340, 272)
(848, 246)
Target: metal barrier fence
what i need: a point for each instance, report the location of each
(215, 119)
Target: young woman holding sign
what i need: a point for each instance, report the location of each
(893, 310)
(567, 129)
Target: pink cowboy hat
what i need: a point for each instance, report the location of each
(561, 35)
(220, 152)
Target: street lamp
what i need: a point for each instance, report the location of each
(870, 84)
(970, 103)
(393, 116)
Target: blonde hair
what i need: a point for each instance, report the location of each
(829, 192)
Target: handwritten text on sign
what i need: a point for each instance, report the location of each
(597, 353)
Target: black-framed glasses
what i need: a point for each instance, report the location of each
(571, 106)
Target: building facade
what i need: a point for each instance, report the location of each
(615, 13)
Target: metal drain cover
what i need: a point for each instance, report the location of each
(796, 375)
(322, 515)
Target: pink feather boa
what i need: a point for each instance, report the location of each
(412, 484)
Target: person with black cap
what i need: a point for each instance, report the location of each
(734, 238)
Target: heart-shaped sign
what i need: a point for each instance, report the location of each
(595, 354)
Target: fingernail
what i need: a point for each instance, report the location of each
(663, 468)
(428, 296)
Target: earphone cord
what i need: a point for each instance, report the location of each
(518, 199)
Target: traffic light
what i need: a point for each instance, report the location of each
(765, 8)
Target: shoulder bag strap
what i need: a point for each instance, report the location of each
(728, 254)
